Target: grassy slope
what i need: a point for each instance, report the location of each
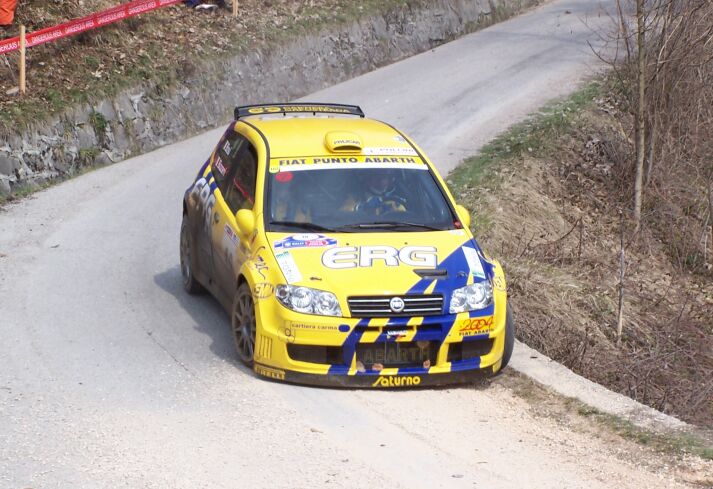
(545, 202)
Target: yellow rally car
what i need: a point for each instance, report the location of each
(340, 254)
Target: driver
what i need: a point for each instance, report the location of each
(377, 195)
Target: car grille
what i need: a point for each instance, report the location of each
(397, 354)
(378, 306)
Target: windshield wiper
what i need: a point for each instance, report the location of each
(390, 225)
(310, 226)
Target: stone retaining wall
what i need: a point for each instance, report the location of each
(143, 118)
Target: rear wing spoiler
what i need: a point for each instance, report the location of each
(295, 108)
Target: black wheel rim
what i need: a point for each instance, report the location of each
(244, 326)
(185, 256)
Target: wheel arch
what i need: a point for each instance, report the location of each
(242, 279)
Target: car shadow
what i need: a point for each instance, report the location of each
(211, 319)
(208, 315)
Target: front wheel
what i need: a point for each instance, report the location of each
(509, 338)
(243, 324)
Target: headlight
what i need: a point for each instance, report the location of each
(310, 301)
(471, 297)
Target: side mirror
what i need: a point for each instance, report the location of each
(463, 215)
(246, 221)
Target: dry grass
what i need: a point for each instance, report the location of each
(545, 205)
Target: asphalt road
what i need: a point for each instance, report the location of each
(111, 376)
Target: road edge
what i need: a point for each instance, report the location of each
(565, 382)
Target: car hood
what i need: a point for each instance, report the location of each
(391, 263)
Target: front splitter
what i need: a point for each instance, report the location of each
(369, 380)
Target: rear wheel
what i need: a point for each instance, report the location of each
(509, 338)
(190, 284)
(243, 323)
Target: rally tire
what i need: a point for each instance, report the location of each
(190, 284)
(509, 338)
(244, 326)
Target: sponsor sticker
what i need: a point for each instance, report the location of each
(299, 108)
(263, 290)
(219, 165)
(390, 151)
(346, 142)
(273, 373)
(396, 334)
(473, 326)
(290, 335)
(230, 234)
(289, 267)
(476, 267)
(397, 381)
(305, 241)
(314, 327)
(230, 244)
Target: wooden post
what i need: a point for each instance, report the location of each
(23, 84)
(235, 8)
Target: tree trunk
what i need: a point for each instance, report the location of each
(622, 268)
(640, 129)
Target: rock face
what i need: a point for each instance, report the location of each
(144, 118)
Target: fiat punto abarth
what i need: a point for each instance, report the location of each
(340, 254)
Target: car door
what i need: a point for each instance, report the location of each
(237, 191)
(206, 190)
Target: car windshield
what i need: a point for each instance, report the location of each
(357, 200)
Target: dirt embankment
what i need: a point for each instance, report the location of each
(162, 46)
(547, 203)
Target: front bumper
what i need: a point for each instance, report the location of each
(456, 358)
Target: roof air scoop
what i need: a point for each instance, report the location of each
(343, 141)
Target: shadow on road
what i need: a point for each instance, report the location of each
(211, 319)
(207, 314)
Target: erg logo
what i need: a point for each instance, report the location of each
(365, 256)
(201, 190)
